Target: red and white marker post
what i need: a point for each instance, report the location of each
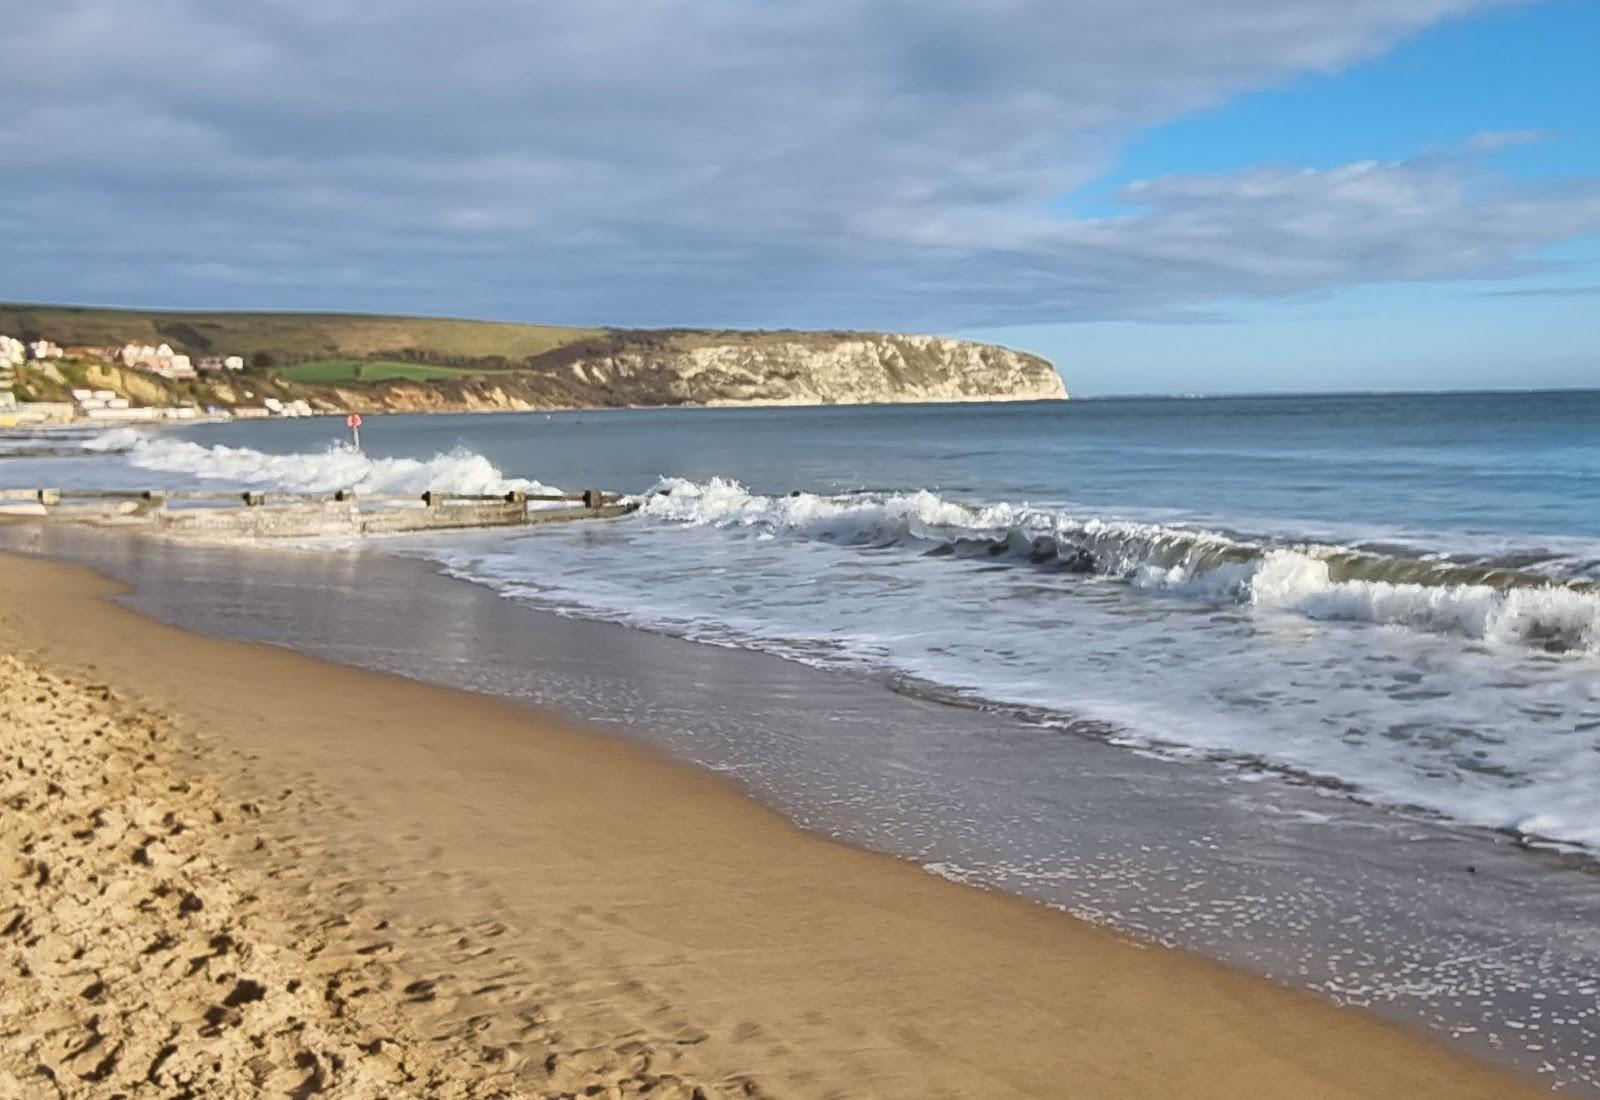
(353, 422)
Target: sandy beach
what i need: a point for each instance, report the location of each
(233, 870)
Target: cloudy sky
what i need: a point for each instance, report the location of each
(1159, 194)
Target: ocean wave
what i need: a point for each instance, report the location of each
(1486, 600)
(338, 467)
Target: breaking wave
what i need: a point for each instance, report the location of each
(338, 467)
(1494, 601)
(1543, 602)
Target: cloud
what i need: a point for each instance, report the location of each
(886, 163)
(1495, 141)
(1271, 231)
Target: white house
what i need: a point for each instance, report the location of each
(160, 359)
(45, 349)
(12, 351)
(137, 355)
(175, 366)
(143, 356)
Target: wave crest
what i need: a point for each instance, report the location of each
(338, 467)
(1486, 601)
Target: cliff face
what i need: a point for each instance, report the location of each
(588, 369)
(733, 369)
(846, 370)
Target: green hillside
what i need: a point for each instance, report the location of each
(345, 372)
(281, 339)
(340, 361)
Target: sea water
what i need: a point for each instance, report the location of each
(1247, 675)
(1396, 595)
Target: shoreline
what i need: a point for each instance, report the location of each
(658, 893)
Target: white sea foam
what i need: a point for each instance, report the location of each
(723, 503)
(1185, 561)
(338, 467)
(1551, 616)
(1178, 638)
(1265, 659)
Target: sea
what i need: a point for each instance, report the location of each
(1309, 683)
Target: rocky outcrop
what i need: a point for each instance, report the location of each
(822, 370)
(684, 368)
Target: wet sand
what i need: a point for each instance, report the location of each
(512, 904)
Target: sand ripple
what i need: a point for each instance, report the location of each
(159, 939)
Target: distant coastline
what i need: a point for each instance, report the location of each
(98, 364)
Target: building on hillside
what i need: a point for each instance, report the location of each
(159, 359)
(12, 352)
(208, 364)
(44, 349)
(175, 366)
(141, 356)
(93, 402)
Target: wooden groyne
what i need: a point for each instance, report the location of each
(267, 514)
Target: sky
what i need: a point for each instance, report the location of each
(1161, 196)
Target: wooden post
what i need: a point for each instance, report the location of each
(433, 498)
(254, 498)
(347, 496)
(49, 496)
(593, 498)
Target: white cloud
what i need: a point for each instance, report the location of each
(1495, 141)
(891, 163)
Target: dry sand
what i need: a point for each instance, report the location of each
(227, 870)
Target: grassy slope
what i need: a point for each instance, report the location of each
(288, 337)
(420, 363)
(343, 372)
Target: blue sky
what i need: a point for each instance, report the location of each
(1159, 195)
(1528, 69)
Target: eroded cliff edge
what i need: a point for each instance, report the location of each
(632, 369)
(405, 364)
